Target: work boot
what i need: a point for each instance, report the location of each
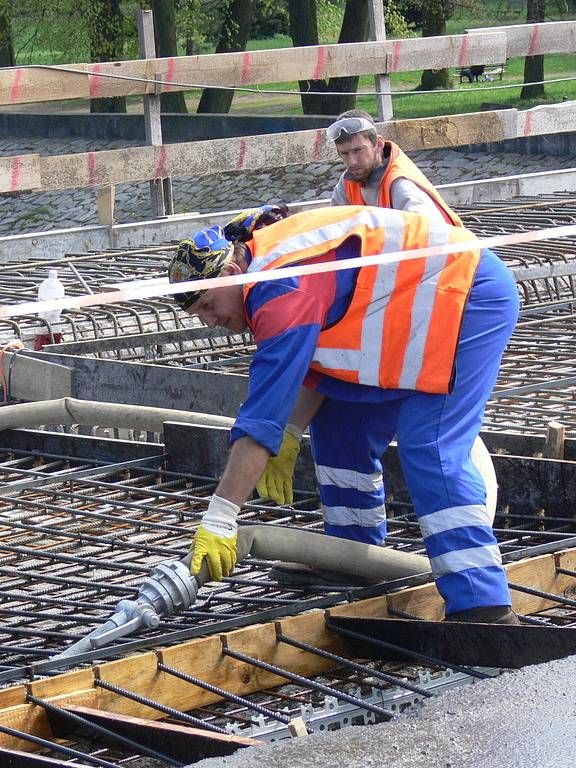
(494, 614)
(295, 574)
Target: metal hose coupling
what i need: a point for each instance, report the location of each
(170, 588)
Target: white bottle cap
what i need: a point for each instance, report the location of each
(53, 274)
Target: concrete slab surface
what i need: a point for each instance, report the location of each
(522, 719)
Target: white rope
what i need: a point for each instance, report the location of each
(149, 289)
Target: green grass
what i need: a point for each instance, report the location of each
(278, 41)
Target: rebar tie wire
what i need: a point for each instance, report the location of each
(290, 92)
(101, 730)
(175, 713)
(306, 683)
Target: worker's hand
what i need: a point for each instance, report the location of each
(216, 539)
(276, 480)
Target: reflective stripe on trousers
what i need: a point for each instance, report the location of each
(349, 472)
(435, 434)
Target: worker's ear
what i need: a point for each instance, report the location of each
(380, 142)
(231, 268)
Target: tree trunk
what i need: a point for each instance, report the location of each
(106, 24)
(165, 34)
(434, 16)
(6, 49)
(304, 31)
(236, 28)
(355, 29)
(534, 65)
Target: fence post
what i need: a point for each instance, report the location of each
(382, 82)
(160, 189)
(106, 197)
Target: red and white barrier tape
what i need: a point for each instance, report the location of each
(141, 290)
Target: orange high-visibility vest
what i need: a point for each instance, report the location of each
(402, 326)
(400, 167)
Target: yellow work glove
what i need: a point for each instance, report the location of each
(216, 539)
(276, 480)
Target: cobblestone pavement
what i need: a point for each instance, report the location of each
(59, 209)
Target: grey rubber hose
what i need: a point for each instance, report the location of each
(269, 542)
(69, 410)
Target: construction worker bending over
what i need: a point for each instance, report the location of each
(379, 173)
(407, 348)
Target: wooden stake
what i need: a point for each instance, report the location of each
(554, 444)
(106, 199)
(297, 727)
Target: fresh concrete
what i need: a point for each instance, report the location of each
(522, 719)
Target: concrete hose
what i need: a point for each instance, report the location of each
(69, 410)
(171, 587)
(266, 542)
(269, 542)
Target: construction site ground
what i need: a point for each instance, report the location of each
(521, 719)
(59, 209)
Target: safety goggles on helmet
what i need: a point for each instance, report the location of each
(243, 224)
(349, 126)
(204, 255)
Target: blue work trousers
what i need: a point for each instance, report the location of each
(434, 434)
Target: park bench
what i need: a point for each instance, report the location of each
(477, 72)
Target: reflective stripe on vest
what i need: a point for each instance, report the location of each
(402, 326)
(400, 167)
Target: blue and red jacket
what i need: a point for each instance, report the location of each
(292, 318)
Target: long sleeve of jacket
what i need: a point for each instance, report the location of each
(286, 318)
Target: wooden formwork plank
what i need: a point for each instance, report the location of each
(31, 718)
(182, 742)
(203, 657)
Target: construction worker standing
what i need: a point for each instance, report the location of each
(406, 347)
(379, 173)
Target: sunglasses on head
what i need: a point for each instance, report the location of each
(349, 126)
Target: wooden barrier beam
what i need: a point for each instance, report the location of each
(200, 158)
(21, 85)
(20, 172)
(534, 39)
